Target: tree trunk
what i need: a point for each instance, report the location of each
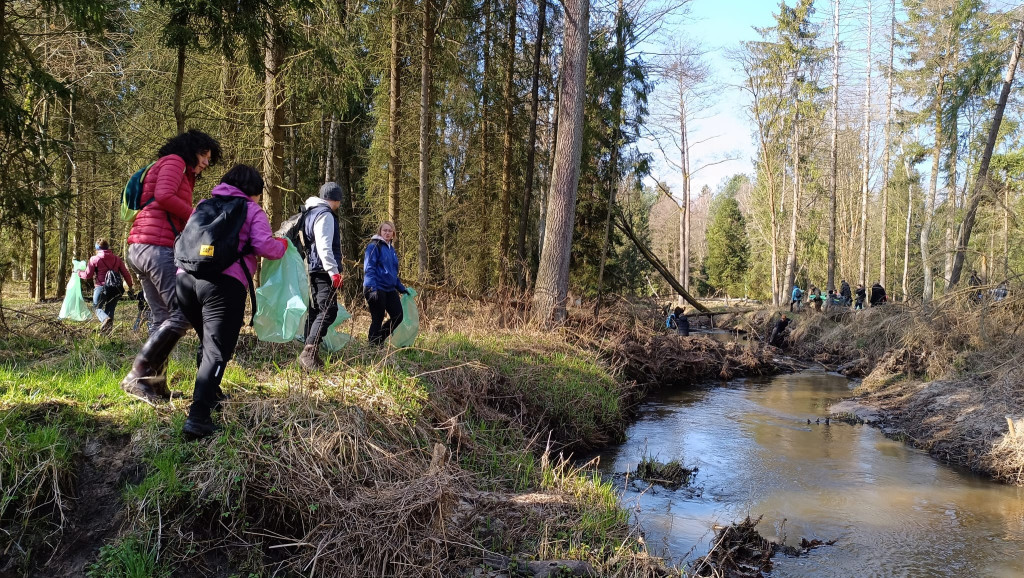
(978, 190)
(531, 150)
(483, 261)
(549, 147)
(866, 163)
(66, 200)
(179, 82)
(660, 267)
(273, 145)
(883, 252)
(929, 207)
(506, 161)
(612, 183)
(229, 96)
(426, 116)
(834, 152)
(684, 216)
(394, 97)
(553, 275)
(794, 211)
(331, 156)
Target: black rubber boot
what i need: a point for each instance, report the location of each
(148, 376)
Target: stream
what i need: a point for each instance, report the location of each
(894, 510)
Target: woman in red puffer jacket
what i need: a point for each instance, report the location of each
(167, 205)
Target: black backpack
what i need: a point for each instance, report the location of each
(293, 228)
(113, 287)
(209, 242)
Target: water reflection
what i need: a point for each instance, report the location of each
(895, 510)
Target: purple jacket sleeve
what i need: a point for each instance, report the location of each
(261, 238)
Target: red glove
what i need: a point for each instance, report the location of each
(336, 280)
(283, 242)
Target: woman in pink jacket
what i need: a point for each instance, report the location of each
(167, 200)
(215, 303)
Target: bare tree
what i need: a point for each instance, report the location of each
(865, 163)
(834, 152)
(553, 275)
(887, 147)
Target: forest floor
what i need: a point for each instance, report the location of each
(945, 378)
(450, 458)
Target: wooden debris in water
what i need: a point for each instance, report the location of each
(671, 475)
(740, 551)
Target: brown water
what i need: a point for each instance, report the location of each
(895, 511)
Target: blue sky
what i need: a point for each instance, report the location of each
(723, 130)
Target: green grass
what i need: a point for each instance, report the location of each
(129, 557)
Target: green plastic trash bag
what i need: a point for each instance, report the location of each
(74, 307)
(405, 334)
(282, 298)
(334, 339)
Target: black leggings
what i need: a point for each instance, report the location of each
(216, 310)
(379, 303)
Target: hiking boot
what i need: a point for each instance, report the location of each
(150, 366)
(107, 326)
(309, 359)
(142, 392)
(196, 428)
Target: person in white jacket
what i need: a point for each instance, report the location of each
(325, 279)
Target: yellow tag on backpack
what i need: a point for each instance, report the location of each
(206, 250)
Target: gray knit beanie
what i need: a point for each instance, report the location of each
(330, 192)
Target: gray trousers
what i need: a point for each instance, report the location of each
(155, 269)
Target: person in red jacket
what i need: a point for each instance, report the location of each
(167, 205)
(103, 261)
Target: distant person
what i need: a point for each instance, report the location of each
(778, 337)
(861, 297)
(105, 296)
(167, 206)
(973, 282)
(844, 292)
(679, 321)
(215, 303)
(816, 299)
(877, 294)
(382, 285)
(794, 304)
(325, 279)
(1000, 292)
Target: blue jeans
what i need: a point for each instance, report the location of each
(107, 311)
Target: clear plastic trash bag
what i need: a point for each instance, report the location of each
(74, 307)
(405, 334)
(282, 298)
(335, 339)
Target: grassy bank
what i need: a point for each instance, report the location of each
(430, 461)
(945, 376)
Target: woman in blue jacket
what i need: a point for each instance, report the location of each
(381, 285)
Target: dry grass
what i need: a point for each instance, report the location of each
(422, 462)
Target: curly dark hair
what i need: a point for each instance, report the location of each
(188, 145)
(245, 178)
